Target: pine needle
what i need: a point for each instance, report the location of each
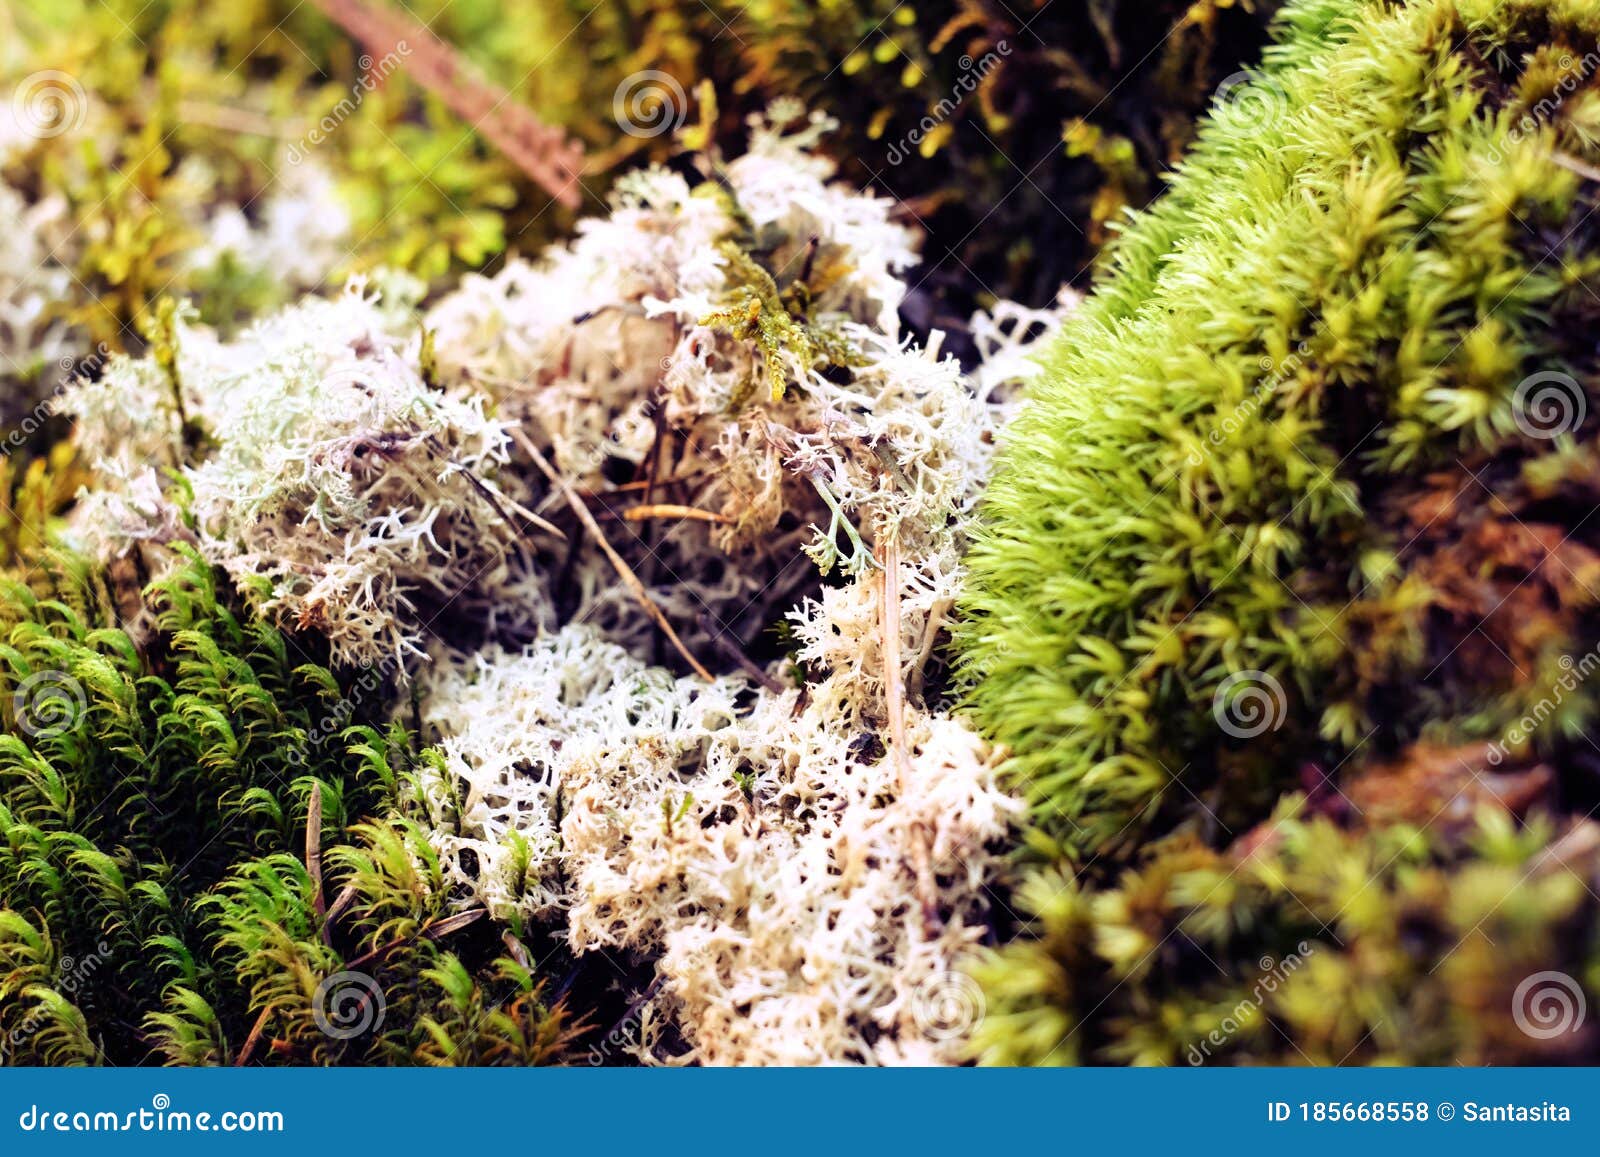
(618, 563)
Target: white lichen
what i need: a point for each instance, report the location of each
(37, 343)
(342, 493)
(802, 852)
(803, 888)
(294, 235)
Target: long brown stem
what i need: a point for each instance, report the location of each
(618, 563)
(314, 850)
(545, 153)
(672, 510)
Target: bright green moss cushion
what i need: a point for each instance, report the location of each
(1308, 476)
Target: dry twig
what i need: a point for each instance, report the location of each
(253, 1039)
(314, 852)
(618, 563)
(543, 152)
(672, 510)
(728, 646)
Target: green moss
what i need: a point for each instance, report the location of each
(989, 119)
(1324, 947)
(976, 112)
(161, 898)
(1288, 425)
(1287, 510)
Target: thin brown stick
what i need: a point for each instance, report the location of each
(618, 563)
(314, 851)
(672, 510)
(437, 930)
(505, 516)
(517, 949)
(341, 904)
(643, 484)
(895, 694)
(930, 638)
(544, 153)
(228, 118)
(253, 1039)
(1576, 165)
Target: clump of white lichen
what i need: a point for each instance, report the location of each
(316, 466)
(686, 416)
(804, 860)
